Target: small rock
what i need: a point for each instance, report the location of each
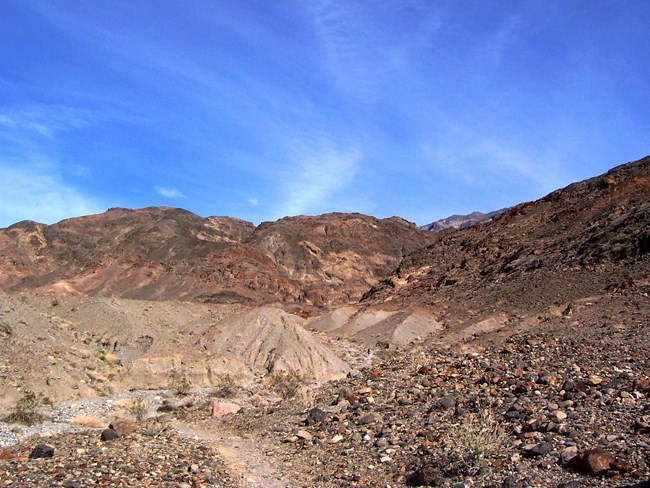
(336, 439)
(123, 426)
(315, 416)
(510, 482)
(221, 409)
(109, 435)
(426, 476)
(367, 419)
(381, 442)
(375, 373)
(570, 484)
(568, 454)
(41, 451)
(559, 415)
(303, 434)
(595, 380)
(463, 484)
(537, 450)
(447, 402)
(593, 462)
(642, 384)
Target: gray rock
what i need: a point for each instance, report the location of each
(41, 451)
(109, 435)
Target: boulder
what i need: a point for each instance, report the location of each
(221, 409)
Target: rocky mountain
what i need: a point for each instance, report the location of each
(461, 221)
(167, 253)
(588, 239)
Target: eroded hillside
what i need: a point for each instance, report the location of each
(168, 254)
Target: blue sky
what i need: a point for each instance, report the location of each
(261, 109)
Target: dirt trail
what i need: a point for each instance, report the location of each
(245, 457)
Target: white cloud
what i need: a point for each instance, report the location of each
(35, 191)
(253, 202)
(317, 173)
(169, 192)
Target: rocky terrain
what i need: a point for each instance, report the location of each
(512, 353)
(590, 238)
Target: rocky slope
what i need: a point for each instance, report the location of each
(165, 253)
(590, 238)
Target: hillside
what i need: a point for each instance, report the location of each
(167, 254)
(590, 238)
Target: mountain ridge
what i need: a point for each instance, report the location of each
(167, 253)
(461, 221)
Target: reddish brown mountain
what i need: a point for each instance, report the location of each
(589, 238)
(166, 253)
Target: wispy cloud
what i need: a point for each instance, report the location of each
(47, 120)
(33, 184)
(169, 192)
(366, 57)
(253, 202)
(472, 159)
(36, 191)
(318, 171)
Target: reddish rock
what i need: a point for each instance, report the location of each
(375, 373)
(593, 462)
(123, 426)
(642, 384)
(622, 466)
(526, 386)
(7, 454)
(221, 409)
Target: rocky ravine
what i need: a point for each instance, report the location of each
(560, 406)
(536, 370)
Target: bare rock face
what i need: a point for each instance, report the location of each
(165, 253)
(588, 239)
